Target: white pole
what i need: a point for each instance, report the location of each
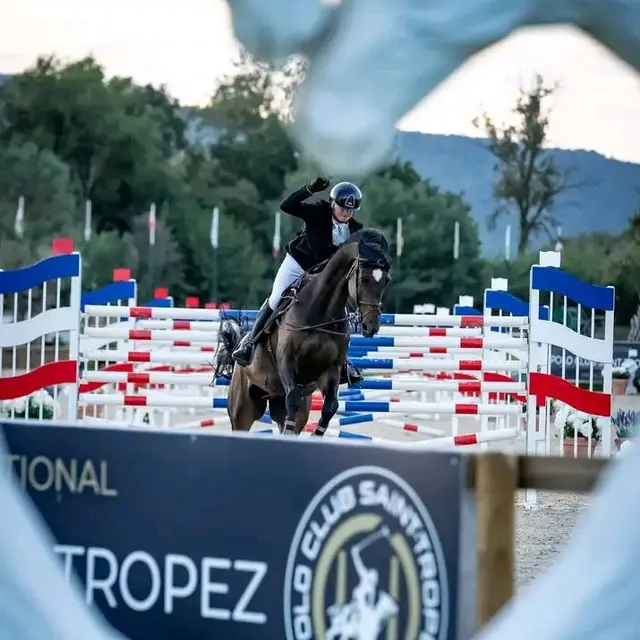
(507, 243)
(456, 241)
(18, 225)
(87, 221)
(152, 224)
(215, 228)
(276, 235)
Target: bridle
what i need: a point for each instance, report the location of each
(354, 302)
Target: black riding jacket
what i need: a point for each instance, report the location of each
(313, 244)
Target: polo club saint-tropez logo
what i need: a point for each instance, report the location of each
(366, 563)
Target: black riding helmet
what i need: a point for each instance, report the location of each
(346, 195)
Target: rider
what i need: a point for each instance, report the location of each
(328, 225)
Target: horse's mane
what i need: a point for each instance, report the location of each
(373, 246)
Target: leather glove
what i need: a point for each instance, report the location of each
(319, 184)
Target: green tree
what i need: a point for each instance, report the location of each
(117, 138)
(251, 142)
(625, 269)
(243, 270)
(529, 180)
(426, 270)
(105, 252)
(160, 265)
(42, 179)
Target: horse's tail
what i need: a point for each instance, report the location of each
(229, 336)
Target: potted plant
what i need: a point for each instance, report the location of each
(36, 406)
(626, 425)
(578, 430)
(620, 379)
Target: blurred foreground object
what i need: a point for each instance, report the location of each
(372, 61)
(592, 591)
(36, 602)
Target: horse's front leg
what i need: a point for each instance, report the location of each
(330, 403)
(293, 396)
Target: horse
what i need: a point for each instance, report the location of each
(304, 344)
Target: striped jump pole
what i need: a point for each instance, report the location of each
(164, 400)
(462, 440)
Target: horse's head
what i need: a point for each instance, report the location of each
(369, 279)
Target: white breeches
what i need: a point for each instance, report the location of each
(288, 273)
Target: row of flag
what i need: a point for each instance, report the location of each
(215, 228)
(277, 233)
(18, 224)
(277, 237)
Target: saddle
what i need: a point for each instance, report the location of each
(289, 296)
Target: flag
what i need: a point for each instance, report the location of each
(18, 226)
(399, 238)
(456, 241)
(215, 228)
(87, 221)
(152, 224)
(507, 243)
(276, 236)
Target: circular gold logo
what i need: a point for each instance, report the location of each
(366, 563)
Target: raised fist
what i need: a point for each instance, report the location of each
(318, 185)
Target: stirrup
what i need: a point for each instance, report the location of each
(353, 375)
(243, 353)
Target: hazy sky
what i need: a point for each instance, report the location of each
(186, 44)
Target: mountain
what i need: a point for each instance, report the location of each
(610, 195)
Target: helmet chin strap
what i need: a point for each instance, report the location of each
(333, 214)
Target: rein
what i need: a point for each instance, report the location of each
(321, 327)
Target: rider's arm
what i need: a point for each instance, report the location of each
(295, 205)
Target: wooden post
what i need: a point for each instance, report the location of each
(496, 483)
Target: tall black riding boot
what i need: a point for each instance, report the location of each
(243, 353)
(350, 374)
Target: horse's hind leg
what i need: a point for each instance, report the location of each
(330, 403)
(245, 403)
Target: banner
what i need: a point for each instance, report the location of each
(620, 353)
(177, 535)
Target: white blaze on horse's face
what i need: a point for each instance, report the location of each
(377, 275)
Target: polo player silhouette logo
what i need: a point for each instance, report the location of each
(366, 616)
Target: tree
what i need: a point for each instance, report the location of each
(243, 269)
(245, 154)
(625, 268)
(426, 271)
(115, 137)
(42, 179)
(161, 264)
(69, 133)
(105, 252)
(529, 179)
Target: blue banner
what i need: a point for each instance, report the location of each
(179, 536)
(620, 353)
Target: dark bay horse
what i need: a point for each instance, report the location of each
(306, 342)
